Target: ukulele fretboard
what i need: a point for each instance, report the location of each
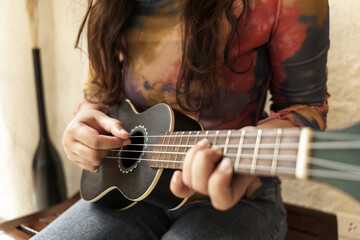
(269, 152)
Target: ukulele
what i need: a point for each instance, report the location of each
(161, 136)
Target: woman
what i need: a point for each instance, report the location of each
(214, 61)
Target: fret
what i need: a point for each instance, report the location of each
(187, 141)
(166, 150)
(193, 139)
(256, 151)
(185, 149)
(196, 137)
(206, 134)
(158, 161)
(172, 153)
(227, 142)
(287, 138)
(238, 155)
(210, 135)
(216, 137)
(276, 151)
(177, 152)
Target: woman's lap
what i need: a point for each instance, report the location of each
(262, 218)
(86, 220)
(246, 220)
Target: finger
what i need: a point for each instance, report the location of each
(186, 174)
(83, 163)
(245, 181)
(178, 187)
(222, 191)
(203, 165)
(87, 167)
(103, 123)
(87, 153)
(113, 126)
(219, 185)
(93, 139)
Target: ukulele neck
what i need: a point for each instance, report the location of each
(268, 152)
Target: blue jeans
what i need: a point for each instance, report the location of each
(261, 218)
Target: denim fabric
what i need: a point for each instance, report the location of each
(261, 218)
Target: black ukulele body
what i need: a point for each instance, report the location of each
(121, 181)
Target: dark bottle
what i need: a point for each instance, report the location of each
(49, 181)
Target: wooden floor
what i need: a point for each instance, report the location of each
(303, 223)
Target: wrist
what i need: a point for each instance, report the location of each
(276, 123)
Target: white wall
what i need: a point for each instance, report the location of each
(344, 63)
(64, 70)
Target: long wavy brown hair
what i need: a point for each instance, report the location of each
(107, 22)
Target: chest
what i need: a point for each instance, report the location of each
(154, 44)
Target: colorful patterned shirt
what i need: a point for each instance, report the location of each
(284, 42)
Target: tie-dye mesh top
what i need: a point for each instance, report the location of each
(285, 43)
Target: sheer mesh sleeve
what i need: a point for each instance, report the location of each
(298, 54)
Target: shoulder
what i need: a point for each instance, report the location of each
(314, 9)
(297, 16)
(306, 5)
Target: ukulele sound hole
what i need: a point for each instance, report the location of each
(131, 155)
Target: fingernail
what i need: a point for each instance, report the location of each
(204, 143)
(127, 142)
(120, 130)
(225, 165)
(123, 131)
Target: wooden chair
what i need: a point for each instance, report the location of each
(26, 227)
(308, 224)
(303, 223)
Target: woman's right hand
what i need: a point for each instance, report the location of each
(87, 138)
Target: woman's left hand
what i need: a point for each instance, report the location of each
(203, 173)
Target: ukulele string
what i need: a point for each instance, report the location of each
(235, 133)
(254, 133)
(335, 140)
(335, 165)
(285, 158)
(282, 157)
(242, 168)
(334, 174)
(335, 136)
(250, 155)
(317, 145)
